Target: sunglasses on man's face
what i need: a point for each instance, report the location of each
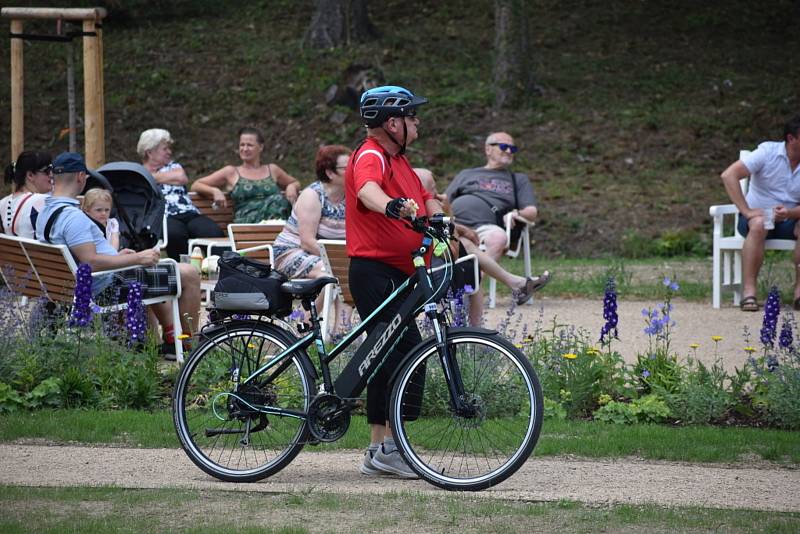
(505, 147)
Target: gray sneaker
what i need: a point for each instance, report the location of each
(393, 463)
(367, 467)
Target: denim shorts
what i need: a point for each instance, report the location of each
(782, 230)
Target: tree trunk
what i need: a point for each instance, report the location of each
(514, 80)
(339, 22)
(361, 27)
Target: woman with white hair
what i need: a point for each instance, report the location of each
(184, 221)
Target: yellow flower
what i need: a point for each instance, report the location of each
(250, 346)
(570, 355)
(604, 399)
(184, 336)
(749, 349)
(694, 345)
(592, 351)
(715, 339)
(518, 345)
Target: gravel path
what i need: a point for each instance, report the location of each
(623, 481)
(695, 323)
(758, 486)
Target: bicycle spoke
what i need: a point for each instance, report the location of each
(224, 431)
(479, 447)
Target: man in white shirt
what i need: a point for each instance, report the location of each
(772, 198)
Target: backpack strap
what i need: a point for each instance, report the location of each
(514, 185)
(51, 221)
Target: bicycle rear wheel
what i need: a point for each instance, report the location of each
(480, 447)
(228, 435)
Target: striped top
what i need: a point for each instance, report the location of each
(331, 223)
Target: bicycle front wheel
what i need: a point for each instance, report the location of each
(255, 431)
(474, 448)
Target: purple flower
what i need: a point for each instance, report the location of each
(772, 363)
(459, 313)
(297, 315)
(772, 309)
(134, 315)
(645, 373)
(609, 312)
(786, 337)
(81, 311)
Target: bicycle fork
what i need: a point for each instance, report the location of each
(455, 385)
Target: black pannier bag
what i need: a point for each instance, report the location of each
(246, 285)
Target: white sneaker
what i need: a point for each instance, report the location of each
(392, 462)
(367, 467)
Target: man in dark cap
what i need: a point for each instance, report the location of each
(62, 222)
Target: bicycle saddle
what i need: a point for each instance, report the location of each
(307, 287)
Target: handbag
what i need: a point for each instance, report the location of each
(247, 285)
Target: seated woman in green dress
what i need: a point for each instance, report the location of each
(259, 191)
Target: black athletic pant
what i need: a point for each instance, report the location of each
(185, 226)
(371, 282)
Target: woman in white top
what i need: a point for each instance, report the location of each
(32, 176)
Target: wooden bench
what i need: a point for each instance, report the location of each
(337, 263)
(223, 216)
(35, 269)
(727, 248)
(255, 240)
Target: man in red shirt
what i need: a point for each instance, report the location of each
(380, 188)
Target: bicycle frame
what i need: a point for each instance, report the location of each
(368, 359)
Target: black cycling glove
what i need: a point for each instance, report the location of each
(394, 206)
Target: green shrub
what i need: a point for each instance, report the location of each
(657, 371)
(554, 410)
(10, 400)
(46, 364)
(647, 409)
(572, 370)
(776, 391)
(701, 396)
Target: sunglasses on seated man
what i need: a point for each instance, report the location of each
(505, 147)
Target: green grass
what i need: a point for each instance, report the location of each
(133, 510)
(580, 438)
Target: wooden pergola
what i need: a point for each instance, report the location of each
(94, 111)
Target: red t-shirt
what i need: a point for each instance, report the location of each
(371, 234)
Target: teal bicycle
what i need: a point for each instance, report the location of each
(465, 406)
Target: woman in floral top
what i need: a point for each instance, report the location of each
(184, 221)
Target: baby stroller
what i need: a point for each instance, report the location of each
(138, 203)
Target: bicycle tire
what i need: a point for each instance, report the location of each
(467, 453)
(202, 404)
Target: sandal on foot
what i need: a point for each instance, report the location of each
(750, 304)
(531, 286)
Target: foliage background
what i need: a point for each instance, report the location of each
(644, 102)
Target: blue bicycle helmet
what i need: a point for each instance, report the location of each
(380, 103)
